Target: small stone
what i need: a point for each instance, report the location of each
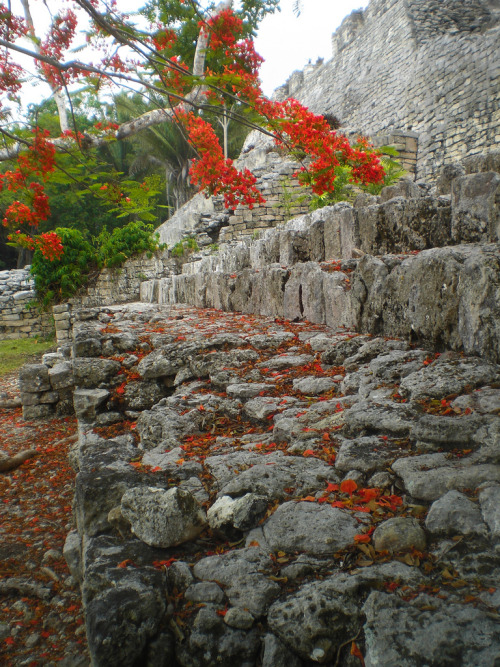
(236, 617)
(399, 534)
(32, 640)
(163, 518)
(312, 386)
(455, 514)
(489, 499)
(205, 591)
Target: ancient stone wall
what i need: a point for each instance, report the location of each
(423, 66)
(19, 318)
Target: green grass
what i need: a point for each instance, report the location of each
(16, 353)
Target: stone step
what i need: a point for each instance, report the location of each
(257, 492)
(444, 297)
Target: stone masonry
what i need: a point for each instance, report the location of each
(19, 317)
(421, 66)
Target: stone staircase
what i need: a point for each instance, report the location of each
(301, 465)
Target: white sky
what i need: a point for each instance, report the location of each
(287, 43)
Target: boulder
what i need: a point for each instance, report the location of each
(163, 518)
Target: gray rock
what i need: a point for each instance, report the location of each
(158, 364)
(87, 401)
(318, 618)
(475, 208)
(306, 526)
(243, 574)
(489, 499)
(399, 534)
(372, 349)
(336, 354)
(386, 417)
(484, 401)
(312, 386)
(179, 576)
(237, 617)
(429, 476)
(89, 373)
(163, 518)
(455, 514)
(37, 411)
(96, 493)
(213, 642)
(447, 297)
(286, 361)
(427, 631)
(276, 654)
(205, 591)
(247, 389)
(270, 479)
(396, 364)
(366, 454)
(259, 409)
(72, 552)
(121, 621)
(447, 431)
(230, 516)
(34, 378)
(143, 395)
(61, 375)
(445, 377)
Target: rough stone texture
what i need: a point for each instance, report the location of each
(455, 514)
(489, 499)
(476, 207)
(308, 527)
(20, 317)
(162, 518)
(399, 534)
(456, 305)
(435, 79)
(441, 633)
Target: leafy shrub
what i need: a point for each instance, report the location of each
(186, 246)
(124, 242)
(59, 279)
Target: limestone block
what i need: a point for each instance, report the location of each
(34, 378)
(475, 200)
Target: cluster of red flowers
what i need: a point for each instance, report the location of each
(225, 28)
(59, 39)
(175, 76)
(37, 162)
(292, 124)
(212, 171)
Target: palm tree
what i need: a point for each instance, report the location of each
(159, 147)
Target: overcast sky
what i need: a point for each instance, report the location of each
(287, 43)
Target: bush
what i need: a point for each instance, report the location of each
(59, 280)
(124, 242)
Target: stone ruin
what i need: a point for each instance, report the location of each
(288, 446)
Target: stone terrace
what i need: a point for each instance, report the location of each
(252, 491)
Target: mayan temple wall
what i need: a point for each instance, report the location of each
(429, 67)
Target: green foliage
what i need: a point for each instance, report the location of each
(345, 190)
(124, 242)
(184, 247)
(289, 199)
(393, 170)
(60, 279)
